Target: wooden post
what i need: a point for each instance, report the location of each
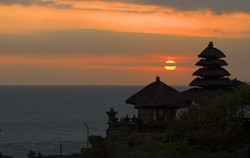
(60, 149)
(87, 134)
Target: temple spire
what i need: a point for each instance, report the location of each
(211, 74)
(210, 45)
(157, 78)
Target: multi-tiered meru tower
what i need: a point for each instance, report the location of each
(211, 75)
(212, 79)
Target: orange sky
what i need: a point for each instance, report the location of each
(113, 16)
(149, 64)
(130, 62)
(133, 20)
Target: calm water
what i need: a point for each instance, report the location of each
(42, 117)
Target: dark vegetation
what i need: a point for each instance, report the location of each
(213, 126)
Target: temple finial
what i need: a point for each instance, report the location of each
(210, 44)
(157, 78)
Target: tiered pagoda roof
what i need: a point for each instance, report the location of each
(216, 62)
(212, 79)
(211, 74)
(211, 52)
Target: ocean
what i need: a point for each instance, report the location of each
(40, 118)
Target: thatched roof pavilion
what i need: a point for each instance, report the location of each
(156, 95)
(156, 101)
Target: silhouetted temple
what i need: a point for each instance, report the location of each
(211, 74)
(157, 101)
(156, 104)
(212, 79)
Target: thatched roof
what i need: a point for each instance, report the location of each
(211, 71)
(156, 95)
(214, 62)
(197, 94)
(211, 52)
(210, 82)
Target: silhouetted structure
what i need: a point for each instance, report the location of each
(212, 78)
(111, 117)
(211, 74)
(157, 102)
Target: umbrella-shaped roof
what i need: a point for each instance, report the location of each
(156, 95)
(211, 71)
(209, 82)
(211, 52)
(214, 62)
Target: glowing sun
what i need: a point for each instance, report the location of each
(170, 65)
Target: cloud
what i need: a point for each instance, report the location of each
(96, 42)
(218, 7)
(109, 54)
(93, 42)
(12, 2)
(215, 6)
(48, 3)
(16, 19)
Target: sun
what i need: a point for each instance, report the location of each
(170, 65)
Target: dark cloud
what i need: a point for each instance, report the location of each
(93, 42)
(49, 3)
(108, 43)
(217, 6)
(12, 2)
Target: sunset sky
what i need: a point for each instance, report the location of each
(118, 42)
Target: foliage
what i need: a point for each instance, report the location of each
(98, 149)
(222, 123)
(174, 150)
(216, 124)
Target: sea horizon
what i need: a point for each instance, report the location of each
(39, 118)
